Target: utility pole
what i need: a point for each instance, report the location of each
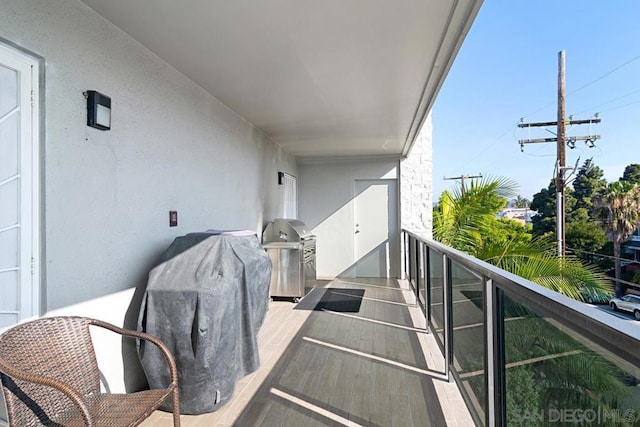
(560, 140)
(462, 178)
(560, 199)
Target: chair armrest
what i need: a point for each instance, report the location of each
(69, 391)
(147, 337)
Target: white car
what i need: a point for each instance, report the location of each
(630, 303)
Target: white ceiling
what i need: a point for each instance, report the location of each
(319, 77)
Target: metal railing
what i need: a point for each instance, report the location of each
(520, 353)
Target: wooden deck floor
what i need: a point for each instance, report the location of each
(372, 367)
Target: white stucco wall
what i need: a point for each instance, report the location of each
(416, 184)
(107, 195)
(325, 205)
(172, 146)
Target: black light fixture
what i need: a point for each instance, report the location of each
(280, 178)
(98, 110)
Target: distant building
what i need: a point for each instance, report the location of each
(522, 215)
(633, 245)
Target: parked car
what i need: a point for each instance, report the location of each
(593, 296)
(630, 303)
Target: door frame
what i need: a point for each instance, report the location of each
(30, 304)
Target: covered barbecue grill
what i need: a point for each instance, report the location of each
(292, 249)
(206, 300)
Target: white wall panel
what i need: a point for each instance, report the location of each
(326, 205)
(172, 146)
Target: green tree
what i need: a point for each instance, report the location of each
(631, 174)
(618, 210)
(461, 218)
(580, 232)
(589, 182)
(585, 236)
(582, 379)
(521, 202)
(467, 222)
(544, 202)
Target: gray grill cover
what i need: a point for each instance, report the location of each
(206, 301)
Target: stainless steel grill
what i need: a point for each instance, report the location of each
(292, 249)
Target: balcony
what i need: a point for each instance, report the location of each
(520, 353)
(364, 358)
(211, 102)
(515, 353)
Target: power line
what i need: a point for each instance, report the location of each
(597, 79)
(496, 140)
(493, 142)
(621, 106)
(609, 101)
(631, 261)
(539, 109)
(539, 155)
(604, 75)
(496, 159)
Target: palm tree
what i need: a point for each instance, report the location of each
(521, 202)
(618, 209)
(467, 222)
(461, 217)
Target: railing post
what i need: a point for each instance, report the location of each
(500, 360)
(447, 318)
(417, 260)
(415, 263)
(494, 364)
(411, 249)
(427, 290)
(407, 240)
(489, 346)
(403, 236)
(408, 255)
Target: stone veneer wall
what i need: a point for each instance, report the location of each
(416, 181)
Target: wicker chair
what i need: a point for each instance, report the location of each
(50, 377)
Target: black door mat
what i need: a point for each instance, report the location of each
(342, 300)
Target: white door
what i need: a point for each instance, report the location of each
(290, 196)
(376, 228)
(19, 209)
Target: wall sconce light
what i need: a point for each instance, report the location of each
(280, 178)
(98, 110)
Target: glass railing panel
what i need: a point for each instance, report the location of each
(468, 344)
(409, 259)
(414, 266)
(555, 376)
(422, 297)
(436, 275)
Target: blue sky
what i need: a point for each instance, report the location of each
(507, 69)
